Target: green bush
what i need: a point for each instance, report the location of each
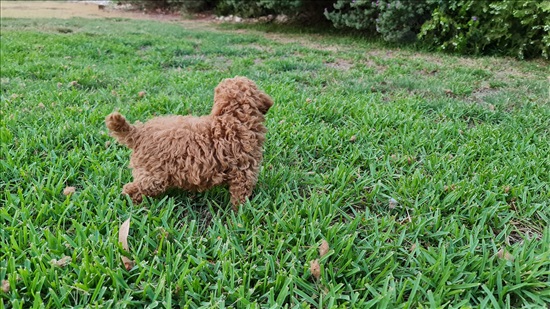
(313, 9)
(396, 21)
(518, 28)
(197, 5)
(242, 8)
(187, 5)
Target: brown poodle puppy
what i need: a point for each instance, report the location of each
(197, 153)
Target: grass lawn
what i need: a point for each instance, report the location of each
(426, 174)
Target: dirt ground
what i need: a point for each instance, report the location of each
(63, 9)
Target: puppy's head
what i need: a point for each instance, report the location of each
(240, 94)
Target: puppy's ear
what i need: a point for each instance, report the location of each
(265, 104)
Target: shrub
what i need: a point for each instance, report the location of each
(518, 28)
(396, 21)
(313, 9)
(187, 5)
(197, 5)
(305, 10)
(242, 8)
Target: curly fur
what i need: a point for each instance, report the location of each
(197, 153)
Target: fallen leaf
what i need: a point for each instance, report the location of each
(69, 190)
(449, 188)
(64, 261)
(352, 139)
(315, 269)
(503, 254)
(123, 234)
(128, 264)
(393, 203)
(123, 239)
(323, 248)
(413, 247)
(5, 286)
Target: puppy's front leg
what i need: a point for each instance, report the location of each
(132, 190)
(240, 188)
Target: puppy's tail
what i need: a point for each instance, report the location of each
(121, 129)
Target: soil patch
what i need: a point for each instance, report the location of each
(65, 10)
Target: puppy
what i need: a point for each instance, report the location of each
(197, 153)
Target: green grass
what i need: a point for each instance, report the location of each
(461, 144)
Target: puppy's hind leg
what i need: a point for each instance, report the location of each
(146, 184)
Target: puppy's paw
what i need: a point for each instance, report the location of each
(133, 192)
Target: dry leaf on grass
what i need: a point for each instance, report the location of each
(69, 190)
(5, 286)
(123, 234)
(315, 268)
(123, 239)
(323, 248)
(64, 261)
(393, 203)
(503, 254)
(128, 264)
(352, 139)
